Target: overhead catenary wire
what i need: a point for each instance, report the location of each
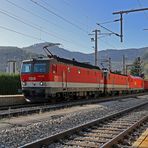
(47, 4)
(106, 22)
(39, 27)
(33, 26)
(140, 4)
(59, 16)
(8, 14)
(23, 34)
(28, 24)
(41, 18)
(87, 17)
(108, 30)
(32, 13)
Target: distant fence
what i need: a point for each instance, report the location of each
(9, 84)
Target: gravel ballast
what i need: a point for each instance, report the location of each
(21, 133)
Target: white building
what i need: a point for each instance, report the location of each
(12, 67)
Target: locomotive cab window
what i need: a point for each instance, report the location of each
(26, 68)
(40, 67)
(35, 67)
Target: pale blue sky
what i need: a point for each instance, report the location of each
(80, 18)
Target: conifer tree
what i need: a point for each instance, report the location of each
(136, 69)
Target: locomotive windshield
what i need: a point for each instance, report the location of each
(26, 68)
(40, 67)
(35, 67)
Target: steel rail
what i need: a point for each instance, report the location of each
(124, 133)
(101, 99)
(37, 108)
(6, 107)
(51, 139)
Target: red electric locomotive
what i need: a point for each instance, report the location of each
(116, 83)
(136, 84)
(53, 77)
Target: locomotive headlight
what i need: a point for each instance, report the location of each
(23, 83)
(42, 83)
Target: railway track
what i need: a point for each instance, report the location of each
(20, 106)
(43, 107)
(103, 132)
(129, 136)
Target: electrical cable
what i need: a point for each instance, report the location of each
(23, 34)
(59, 16)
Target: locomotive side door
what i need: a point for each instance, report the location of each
(64, 80)
(105, 74)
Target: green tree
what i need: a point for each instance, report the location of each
(137, 69)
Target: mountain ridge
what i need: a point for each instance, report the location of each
(19, 54)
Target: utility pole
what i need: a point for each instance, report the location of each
(95, 39)
(121, 18)
(121, 27)
(127, 67)
(139, 66)
(96, 47)
(123, 64)
(109, 62)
